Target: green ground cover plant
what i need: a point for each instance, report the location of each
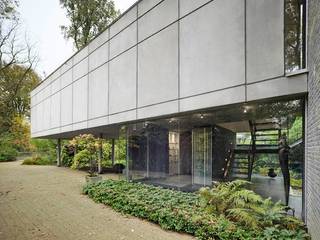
(200, 214)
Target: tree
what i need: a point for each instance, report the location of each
(17, 60)
(16, 82)
(88, 19)
(8, 9)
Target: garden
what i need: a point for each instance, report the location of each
(226, 211)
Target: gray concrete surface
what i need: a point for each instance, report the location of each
(45, 202)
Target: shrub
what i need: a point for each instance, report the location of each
(81, 159)
(67, 155)
(37, 160)
(236, 203)
(175, 210)
(8, 152)
(45, 148)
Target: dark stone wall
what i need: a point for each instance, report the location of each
(312, 165)
(186, 153)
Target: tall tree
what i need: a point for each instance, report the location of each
(17, 60)
(87, 19)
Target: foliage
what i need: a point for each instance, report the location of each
(81, 159)
(237, 203)
(8, 9)
(20, 131)
(180, 211)
(296, 183)
(67, 155)
(7, 150)
(295, 132)
(44, 147)
(16, 83)
(87, 19)
(86, 148)
(38, 160)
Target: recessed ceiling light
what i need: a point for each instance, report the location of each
(201, 116)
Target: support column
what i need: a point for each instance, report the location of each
(59, 152)
(100, 155)
(112, 151)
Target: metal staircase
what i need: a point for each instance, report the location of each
(264, 139)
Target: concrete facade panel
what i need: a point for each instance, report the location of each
(55, 86)
(98, 92)
(158, 110)
(66, 106)
(216, 59)
(123, 117)
(277, 87)
(124, 21)
(55, 110)
(83, 53)
(213, 99)
(187, 6)
(102, 121)
(66, 78)
(67, 128)
(123, 41)
(80, 125)
(66, 66)
(99, 40)
(46, 114)
(158, 67)
(99, 57)
(80, 100)
(265, 41)
(159, 17)
(122, 87)
(146, 5)
(80, 69)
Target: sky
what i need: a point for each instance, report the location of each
(41, 21)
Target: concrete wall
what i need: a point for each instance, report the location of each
(313, 123)
(165, 57)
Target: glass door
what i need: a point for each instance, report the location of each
(202, 156)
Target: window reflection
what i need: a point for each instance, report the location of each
(199, 149)
(295, 26)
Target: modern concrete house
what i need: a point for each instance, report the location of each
(201, 91)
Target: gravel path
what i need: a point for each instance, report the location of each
(45, 202)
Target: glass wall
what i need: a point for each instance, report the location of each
(295, 35)
(259, 142)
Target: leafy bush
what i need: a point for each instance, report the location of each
(8, 152)
(37, 160)
(46, 148)
(81, 159)
(296, 183)
(178, 211)
(67, 155)
(237, 203)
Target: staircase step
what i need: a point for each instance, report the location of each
(267, 129)
(240, 167)
(267, 134)
(239, 176)
(234, 171)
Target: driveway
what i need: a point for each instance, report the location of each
(45, 202)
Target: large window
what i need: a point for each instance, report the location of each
(295, 35)
(259, 142)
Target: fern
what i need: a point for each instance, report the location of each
(233, 201)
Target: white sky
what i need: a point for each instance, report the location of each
(41, 21)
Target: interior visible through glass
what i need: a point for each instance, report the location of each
(258, 142)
